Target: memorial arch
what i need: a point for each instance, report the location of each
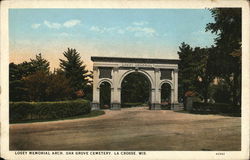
(114, 69)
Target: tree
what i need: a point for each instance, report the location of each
(74, 69)
(36, 85)
(58, 88)
(47, 87)
(18, 72)
(40, 64)
(187, 75)
(17, 89)
(195, 69)
(227, 27)
(204, 70)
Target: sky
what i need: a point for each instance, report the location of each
(141, 33)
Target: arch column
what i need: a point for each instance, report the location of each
(96, 92)
(155, 92)
(116, 100)
(175, 98)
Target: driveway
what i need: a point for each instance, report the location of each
(131, 129)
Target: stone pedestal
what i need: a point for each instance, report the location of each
(115, 106)
(95, 106)
(189, 103)
(177, 106)
(155, 106)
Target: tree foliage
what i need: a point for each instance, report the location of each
(195, 69)
(227, 27)
(47, 87)
(32, 81)
(40, 64)
(74, 69)
(200, 66)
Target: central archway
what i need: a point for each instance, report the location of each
(135, 90)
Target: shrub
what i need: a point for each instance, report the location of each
(215, 108)
(23, 111)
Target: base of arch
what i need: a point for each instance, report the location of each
(155, 106)
(177, 106)
(95, 106)
(116, 106)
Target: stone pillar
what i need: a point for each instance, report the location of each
(96, 93)
(156, 93)
(116, 102)
(175, 101)
(176, 85)
(172, 98)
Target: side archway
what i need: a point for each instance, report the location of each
(105, 87)
(166, 90)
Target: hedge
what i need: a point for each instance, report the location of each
(215, 108)
(23, 111)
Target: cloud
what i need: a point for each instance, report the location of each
(35, 26)
(137, 30)
(67, 24)
(140, 23)
(95, 29)
(103, 29)
(52, 25)
(71, 23)
(140, 31)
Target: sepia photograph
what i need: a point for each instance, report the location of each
(126, 81)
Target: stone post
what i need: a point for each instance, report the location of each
(156, 95)
(116, 102)
(96, 94)
(175, 101)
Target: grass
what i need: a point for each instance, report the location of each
(91, 114)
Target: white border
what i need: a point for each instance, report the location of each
(243, 154)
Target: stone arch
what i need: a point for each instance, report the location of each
(140, 71)
(105, 80)
(121, 67)
(166, 81)
(146, 76)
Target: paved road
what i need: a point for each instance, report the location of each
(131, 129)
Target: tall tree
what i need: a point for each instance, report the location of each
(74, 69)
(195, 69)
(18, 73)
(40, 64)
(187, 75)
(227, 27)
(204, 70)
